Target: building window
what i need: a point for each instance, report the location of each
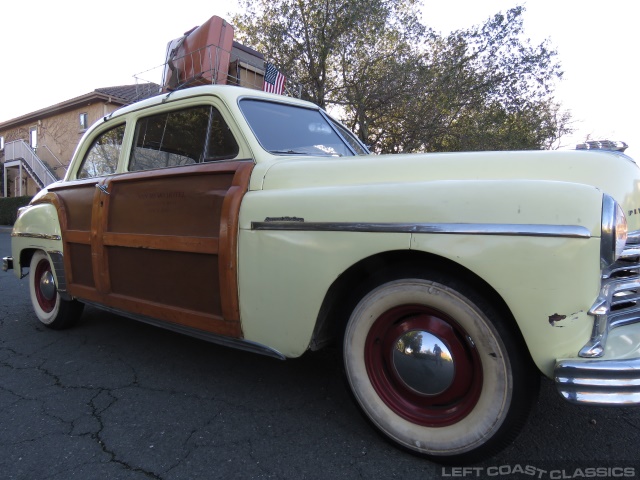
(1, 143)
(33, 137)
(84, 121)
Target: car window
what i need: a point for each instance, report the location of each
(102, 157)
(291, 130)
(181, 137)
(350, 139)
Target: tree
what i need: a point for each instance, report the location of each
(403, 88)
(312, 40)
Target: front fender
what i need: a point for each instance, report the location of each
(286, 269)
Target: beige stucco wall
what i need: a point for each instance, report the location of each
(58, 135)
(29, 187)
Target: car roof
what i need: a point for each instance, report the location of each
(229, 93)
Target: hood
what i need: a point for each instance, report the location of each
(611, 172)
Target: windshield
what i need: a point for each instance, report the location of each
(290, 130)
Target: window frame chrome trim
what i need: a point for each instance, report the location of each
(506, 229)
(315, 108)
(332, 122)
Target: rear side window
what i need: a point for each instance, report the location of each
(181, 137)
(102, 157)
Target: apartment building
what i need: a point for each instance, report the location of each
(36, 148)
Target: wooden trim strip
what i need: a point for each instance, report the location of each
(207, 245)
(228, 258)
(99, 260)
(77, 236)
(167, 313)
(229, 166)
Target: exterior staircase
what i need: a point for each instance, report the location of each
(19, 154)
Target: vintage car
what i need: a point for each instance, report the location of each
(450, 280)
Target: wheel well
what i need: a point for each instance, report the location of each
(25, 256)
(347, 290)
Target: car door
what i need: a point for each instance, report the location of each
(159, 240)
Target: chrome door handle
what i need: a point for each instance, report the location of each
(102, 188)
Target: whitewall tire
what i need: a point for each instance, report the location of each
(433, 372)
(49, 307)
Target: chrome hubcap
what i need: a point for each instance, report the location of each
(423, 362)
(421, 365)
(47, 285)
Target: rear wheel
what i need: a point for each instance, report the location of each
(437, 370)
(51, 310)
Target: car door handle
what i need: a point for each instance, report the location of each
(102, 188)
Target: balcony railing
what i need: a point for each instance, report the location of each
(20, 150)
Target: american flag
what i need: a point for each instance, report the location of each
(273, 80)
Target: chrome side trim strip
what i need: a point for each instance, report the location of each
(509, 229)
(238, 343)
(40, 236)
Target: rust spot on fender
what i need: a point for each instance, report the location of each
(556, 317)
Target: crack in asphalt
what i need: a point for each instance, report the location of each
(102, 401)
(60, 376)
(18, 361)
(97, 413)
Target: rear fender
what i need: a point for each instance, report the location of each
(37, 228)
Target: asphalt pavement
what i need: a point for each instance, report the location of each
(116, 399)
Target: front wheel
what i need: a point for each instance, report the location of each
(437, 370)
(50, 308)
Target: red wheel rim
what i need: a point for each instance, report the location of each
(43, 268)
(438, 410)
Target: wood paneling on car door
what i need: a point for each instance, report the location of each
(159, 243)
(74, 203)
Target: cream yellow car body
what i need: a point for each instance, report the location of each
(526, 226)
(538, 277)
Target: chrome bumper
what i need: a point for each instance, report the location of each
(599, 382)
(590, 378)
(619, 301)
(7, 263)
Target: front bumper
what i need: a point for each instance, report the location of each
(607, 370)
(7, 263)
(599, 382)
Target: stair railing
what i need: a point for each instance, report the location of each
(20, 150)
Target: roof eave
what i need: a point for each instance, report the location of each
(61, 107)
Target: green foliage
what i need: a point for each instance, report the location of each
(403, 88)
(9, 208)
(310, 39)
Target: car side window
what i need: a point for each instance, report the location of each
(102, 157)
(350, 139)
(181, 137)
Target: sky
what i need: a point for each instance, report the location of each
(58, 50)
